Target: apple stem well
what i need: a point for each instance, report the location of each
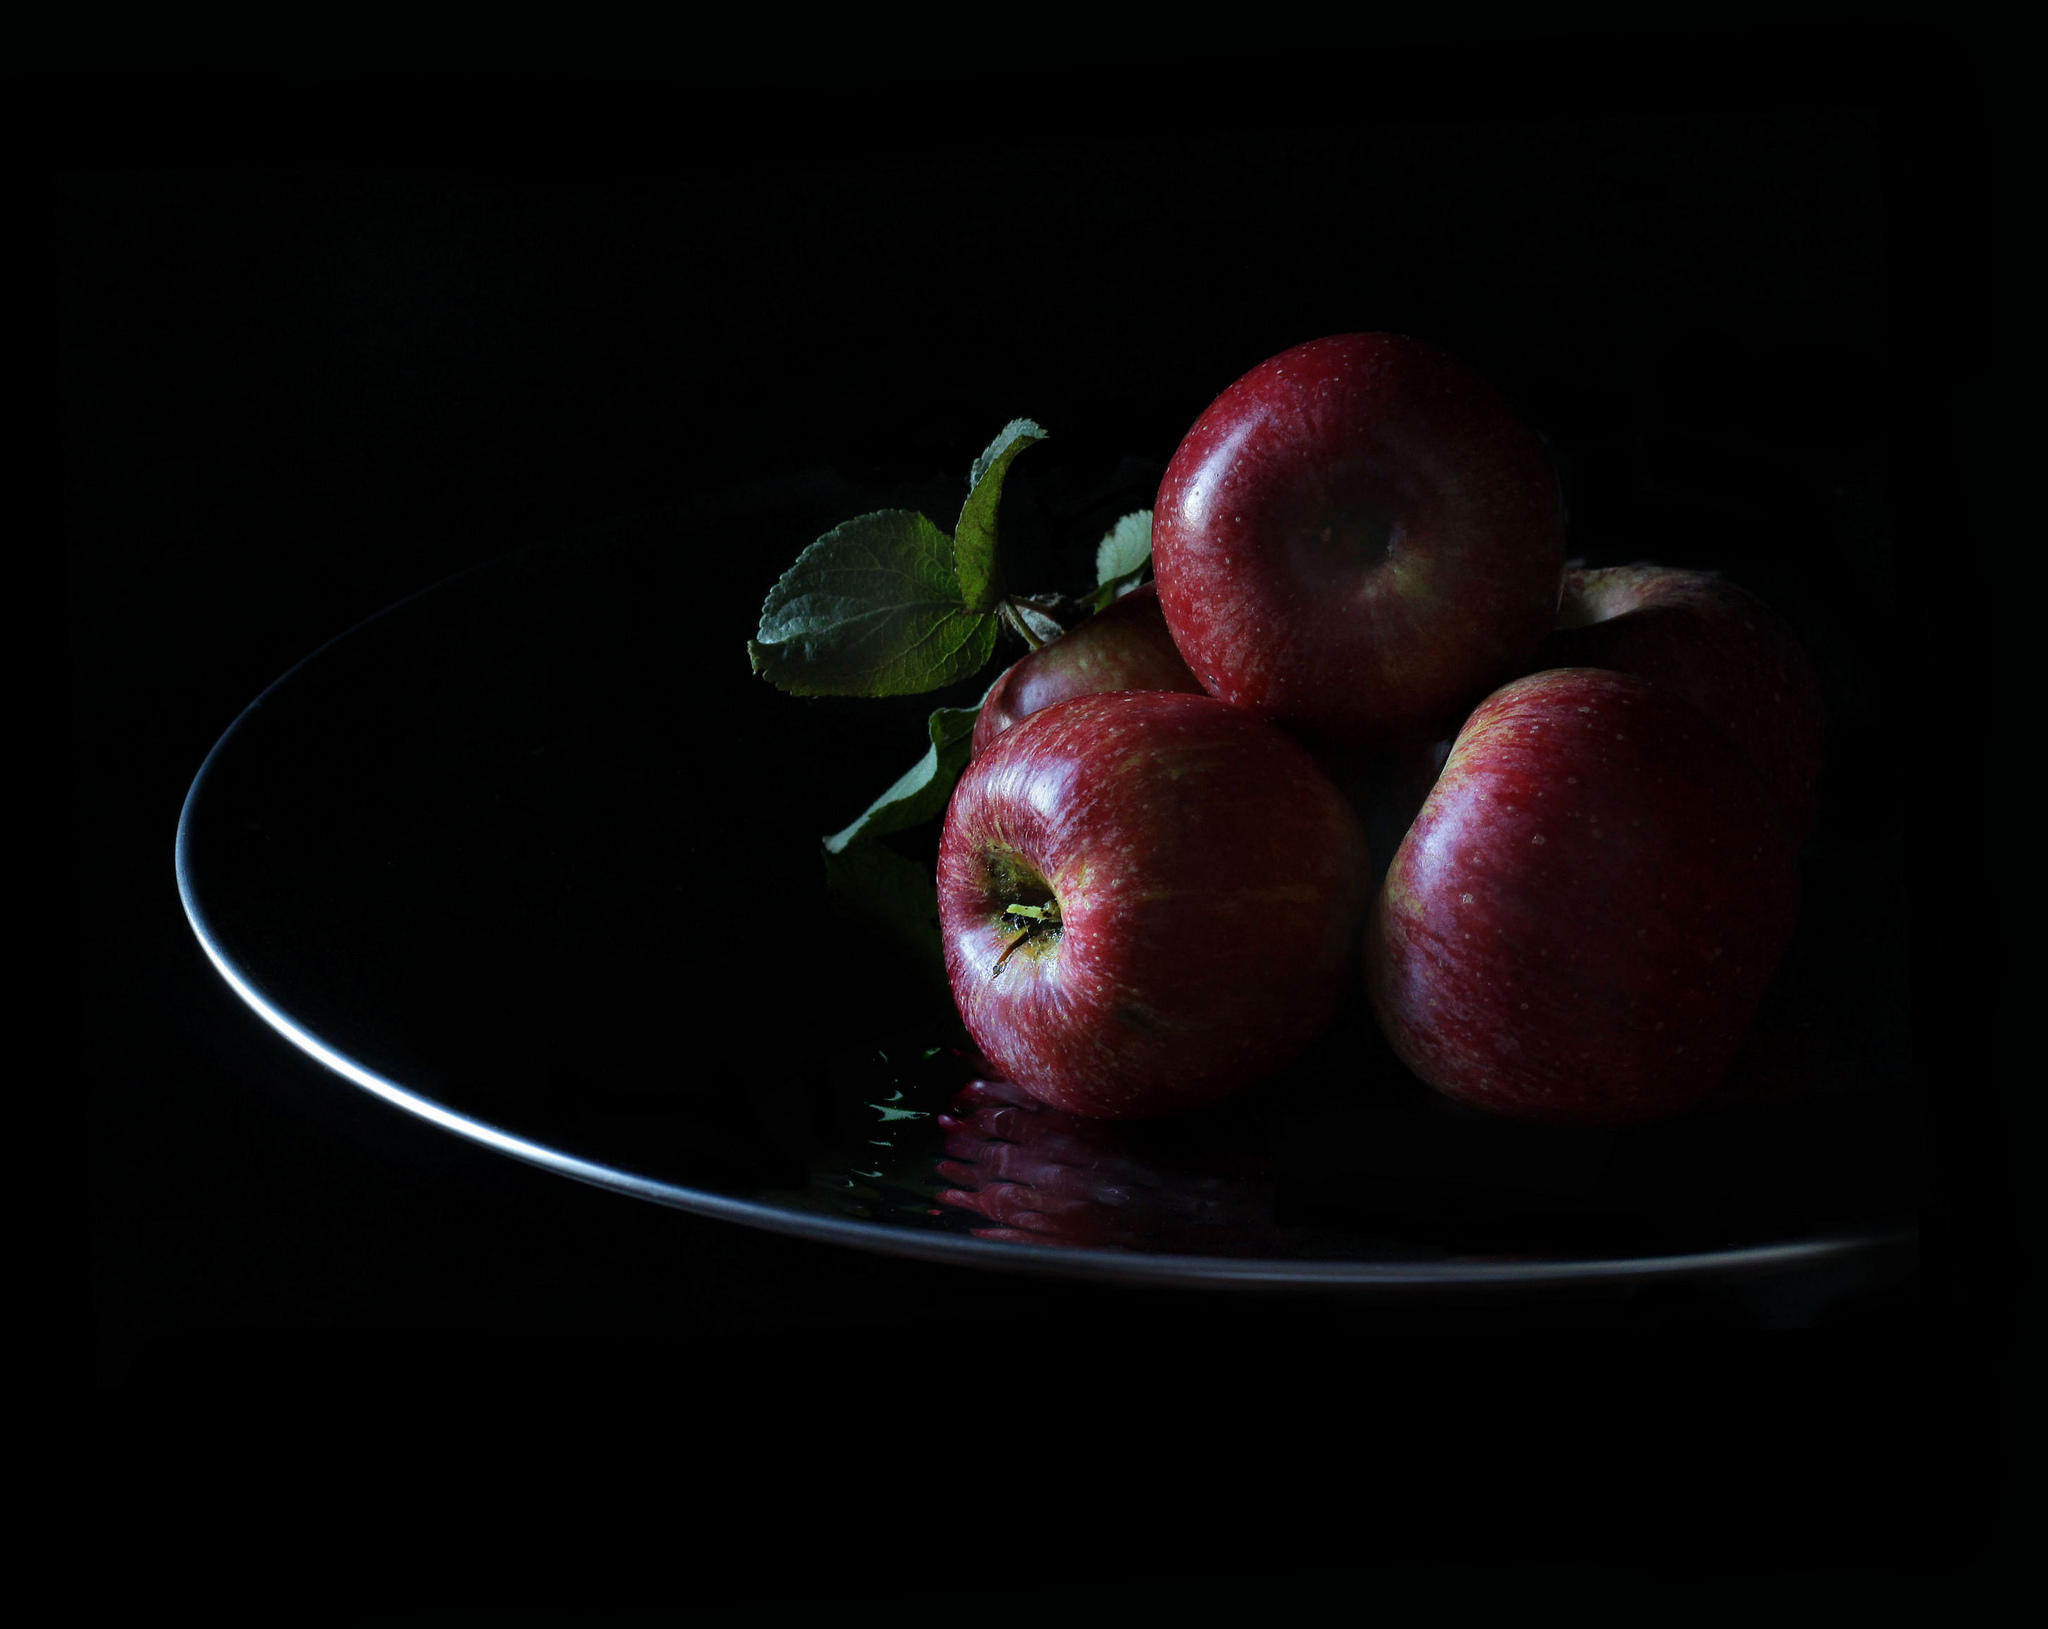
(1028, 903)
(1043, 920)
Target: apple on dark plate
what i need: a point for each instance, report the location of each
(1149, 902)
(1583, 919)
(1359, 539)
(1124, 646)
(1717, 645)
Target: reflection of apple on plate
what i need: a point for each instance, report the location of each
(1041, 1176)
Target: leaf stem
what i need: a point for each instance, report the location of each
(1014, 619)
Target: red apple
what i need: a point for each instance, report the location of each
(1124, 646)
(1584, 916)
(1149, 901)
(1718, 646)
(1359, 539)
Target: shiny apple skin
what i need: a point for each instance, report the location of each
(1580, 924)
(1359, 539)
(1212, 886)
(1717, 645)
(1124, 646)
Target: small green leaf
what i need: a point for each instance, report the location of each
(1126, 550)
(978, 564)
(1121, 558)
(872, 608)
(922, 790)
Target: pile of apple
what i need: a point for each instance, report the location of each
(1154, 883)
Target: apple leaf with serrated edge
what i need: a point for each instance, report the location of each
(922, 790)
(872, 608)
(1121, 558)
(896, 897)
(974, 538)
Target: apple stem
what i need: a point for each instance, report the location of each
(1035, 917)
(1010, 949)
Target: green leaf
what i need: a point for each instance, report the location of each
(922, 790)
(974, 539)
(872, 608)
(1125, 551)
(1121, 558)
(893, 899)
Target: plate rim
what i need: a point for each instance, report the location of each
(1262, 1272)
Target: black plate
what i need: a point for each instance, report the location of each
(534, 856)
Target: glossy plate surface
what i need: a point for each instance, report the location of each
(534, 856)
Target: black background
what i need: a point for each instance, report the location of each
(319, 338)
